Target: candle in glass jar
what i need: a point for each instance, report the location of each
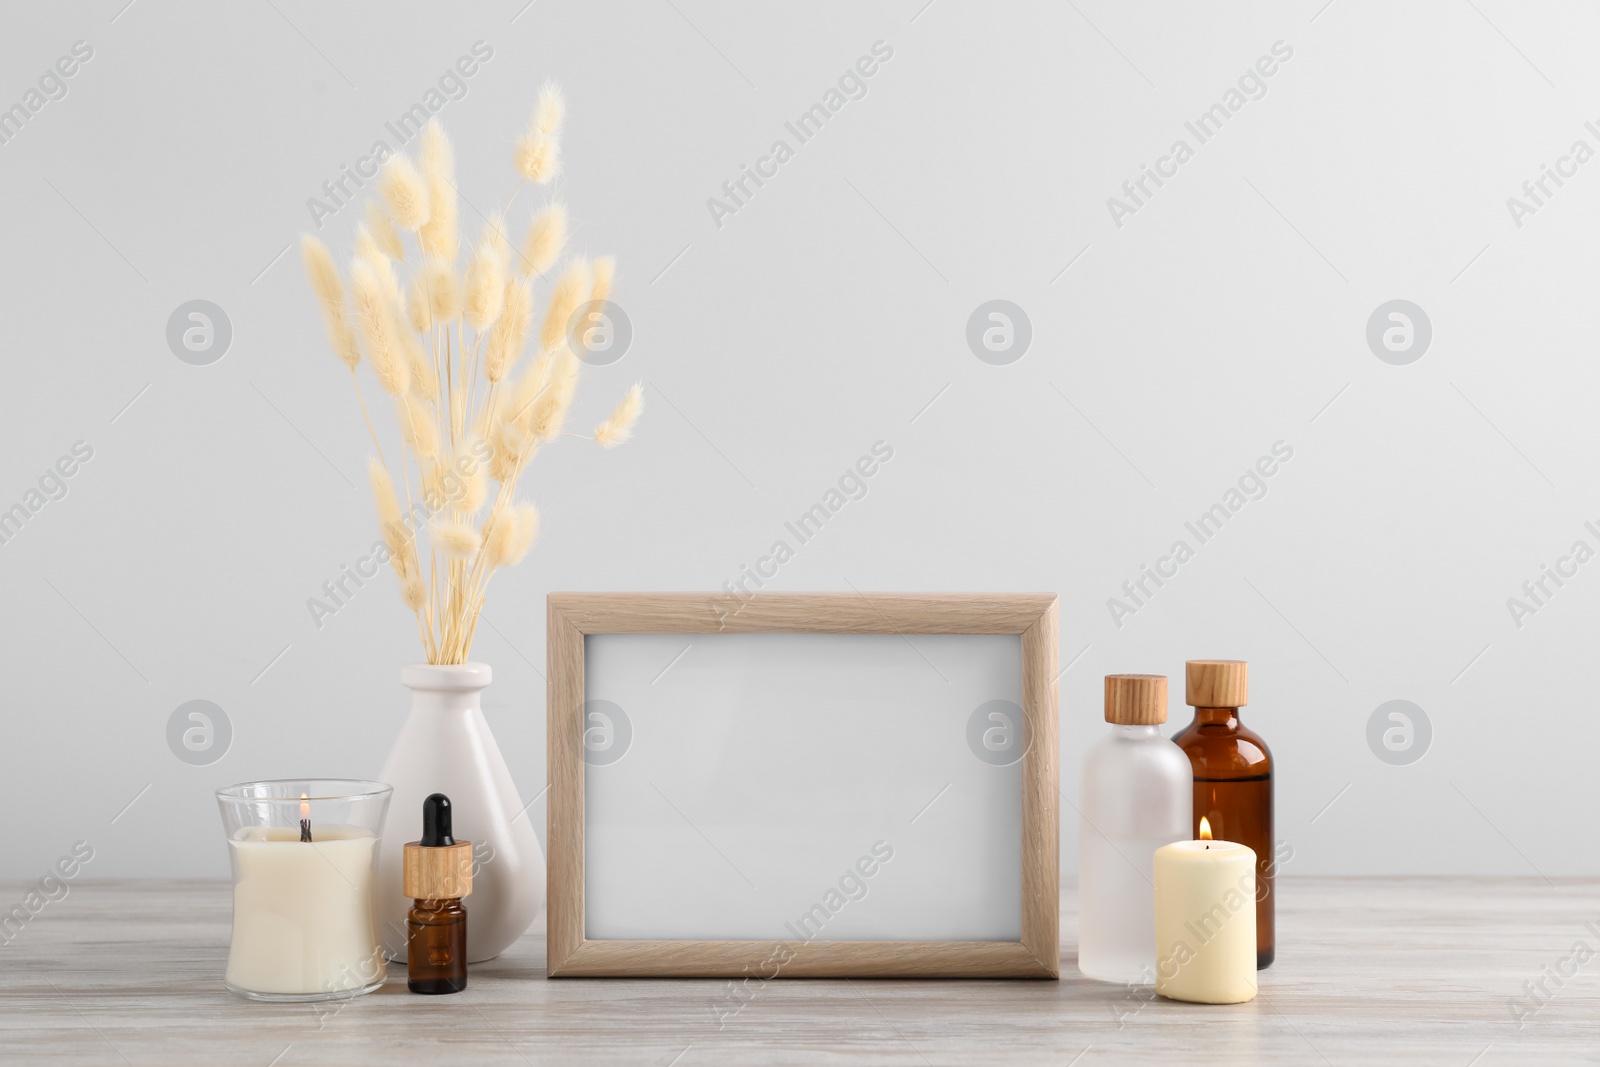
(302, 911)
(1206, 921)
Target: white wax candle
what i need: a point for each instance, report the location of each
(1206, 922)
(302, 911)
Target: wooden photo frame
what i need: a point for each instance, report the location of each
(953, 934)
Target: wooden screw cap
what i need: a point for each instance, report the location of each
(1217, 683)
(1136, 699)
(443, 872)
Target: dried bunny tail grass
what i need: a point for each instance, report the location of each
(413, 592)
(436, 154)
(456, 540)
(547, 236)
(538, 159)
(474, 475)
(396, 535)
(605, 269)
(423, 378)
(404, 192)
(550, 111)
(530, 386)
(383, 231)
(439, 235)
(330, 295)
(368, 253)
(494, 235)
(433, 483)
(383, 493)
(569, 294)
(486, 280)
(511, 532)
(470, 447)
(549, 412)
(424, 382)
(440, 289)
(538, 155)
(323, 274)
(511, 442)
(378, 328)
(384, 268)
(366, 247)
(417, 305)
(510, 330)
(475, 490)
(619, 427)
(417, 429)
(506, 452)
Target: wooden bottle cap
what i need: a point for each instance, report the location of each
(1136, 699)
(1217, 683)
(440, 873)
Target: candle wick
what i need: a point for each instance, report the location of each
(305, 829)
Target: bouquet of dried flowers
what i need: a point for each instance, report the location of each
(446, 344)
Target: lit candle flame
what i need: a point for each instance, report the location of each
(1205, 828)
(305, 806)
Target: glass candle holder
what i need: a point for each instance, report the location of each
(304, 853)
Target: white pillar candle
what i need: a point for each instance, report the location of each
(1206, 922)
(302, 912)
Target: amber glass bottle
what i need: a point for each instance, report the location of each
(1232, 777)
(436, 952)
(437, 873)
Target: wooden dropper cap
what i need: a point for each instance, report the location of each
(1136, 699)
(438, 867)
(1217, 683)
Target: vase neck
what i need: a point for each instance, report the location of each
(446, 688)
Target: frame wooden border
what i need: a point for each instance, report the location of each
(1031, 615)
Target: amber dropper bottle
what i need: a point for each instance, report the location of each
(1232, 776)
(438, 873)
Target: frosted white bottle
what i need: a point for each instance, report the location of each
(1138, 794)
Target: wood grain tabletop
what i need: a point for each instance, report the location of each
(1420, 970)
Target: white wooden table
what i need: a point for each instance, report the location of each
(1368, 971)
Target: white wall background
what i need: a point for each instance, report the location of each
(829, 313)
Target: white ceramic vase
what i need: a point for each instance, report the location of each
(445, 747)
